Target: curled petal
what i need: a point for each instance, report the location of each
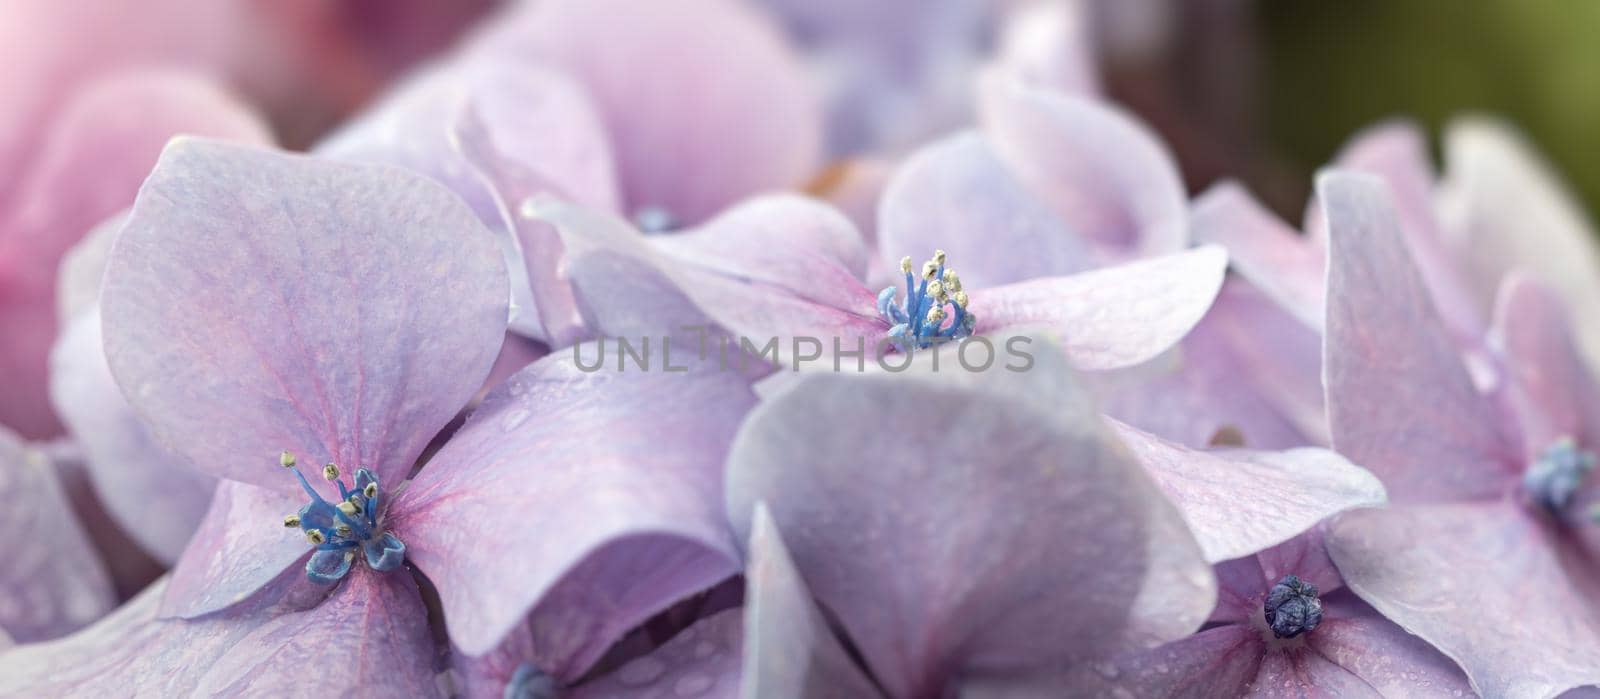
(235, 550)
(609, 484)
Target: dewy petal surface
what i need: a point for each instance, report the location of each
(700, 661)
(1486, 583)
(939, 518)
(1112, 317)
(789, 648)
(258, 301)
(1106, 174)
(88, 166)
(956, 195)
(607, 484)
(740, 112)
(153, 493)
(1239, 502)
(372, 629)
(52, 581)
(235, 550)
(1400, 401)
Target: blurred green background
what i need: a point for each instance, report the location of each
(1324, 69)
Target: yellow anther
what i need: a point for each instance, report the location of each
(349, 508)
(905, 265)
(315, 536)
(371, 491)
(292, 521)
(929, 270)
(951, 281)
(960, 298)
(342, 530)
(935, 314)
(938, 257)
(330, 471)
(936, 290)
(286, 459)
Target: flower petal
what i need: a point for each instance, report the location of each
(1219, 662)
(1358, 639)
(1048, 45)
(1248, 370)
(956, 195)
(1397, 152)
(1113, 317)
(52, 582)
(1263, 249)
(740, 113)
(957, 579)
(236, 550)
(787, 642)
(1511, 210)
(1532, 328)
(1102, 171)
(1239, 502)
(1400, 401)
(605, 486)
(373, 629)
(154, 494)
(701, 661)
(1501, 622)
(258, 302)
(88, 167)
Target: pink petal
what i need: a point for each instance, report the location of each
(88, 166)
(1263, 249)
(1248, 369)
(1105, 173)
(1240, 502)
(1531, 328)
(1219, 662)
(738, 112)
(1510, 209)
(787, 643)
(258, 302)
(238, 548)
(1113, 317)
(589, 500)
(371, 634)
(53, 581)
(1395, 663)
(1486, 583)
(1397, 152)
(156, 496)
(1048, 45)
(701, 661)
(982, 562)
(956, 195)
(528, 131)
(1400, 401)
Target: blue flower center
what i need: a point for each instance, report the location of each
(1554, 477)
(530, 683)
(1292, 607)
(339, 529)
(922, 321)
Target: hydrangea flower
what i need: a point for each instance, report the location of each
(1284, 626)
(1485, 552)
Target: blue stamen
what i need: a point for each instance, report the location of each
(1554, 477)
(920, 322)
(336, 530)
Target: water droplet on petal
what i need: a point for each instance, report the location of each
(641, 671)
(513, 419)
(692, 685)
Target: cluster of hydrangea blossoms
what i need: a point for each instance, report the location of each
(237, 275)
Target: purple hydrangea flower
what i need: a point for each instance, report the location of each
(1484, 449)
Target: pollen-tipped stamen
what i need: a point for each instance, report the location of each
(920, 322)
